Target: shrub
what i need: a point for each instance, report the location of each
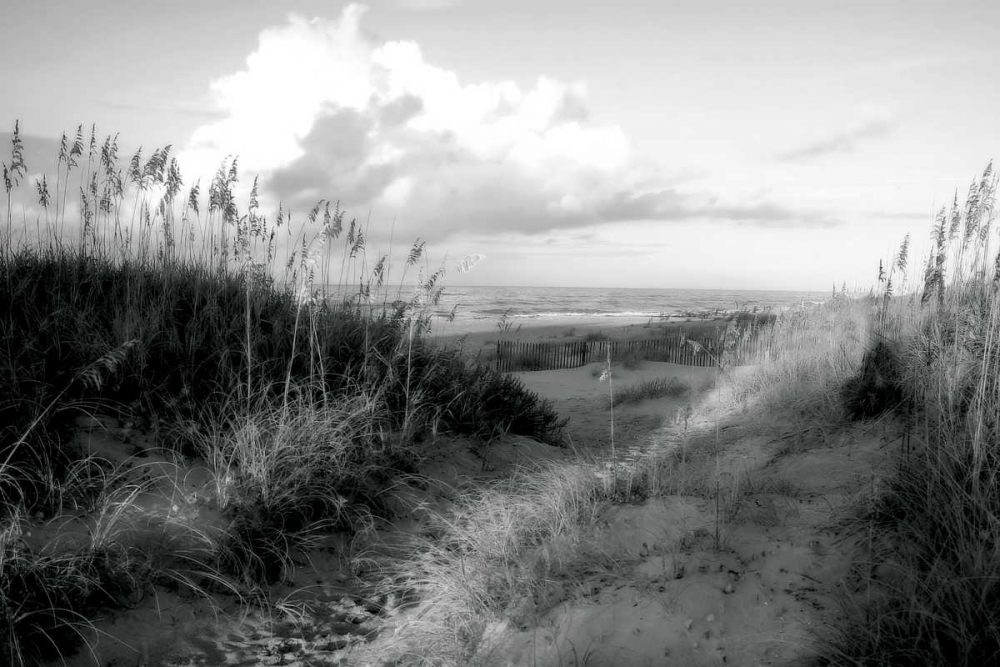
(649, 389)
(492, 403)
(45, 598)
(528, 361)
(631, 359)
(877, 388)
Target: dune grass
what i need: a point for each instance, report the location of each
(494, 559)
(203, 331)
(927, 360)
(286, 365)
(933, 531)
(650, 389)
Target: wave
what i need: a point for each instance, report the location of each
(524, 304)
(630, 314)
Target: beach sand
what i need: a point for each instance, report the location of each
(578, 393)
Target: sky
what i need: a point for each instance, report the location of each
(781, 144)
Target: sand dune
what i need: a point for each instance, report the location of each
(737, 566)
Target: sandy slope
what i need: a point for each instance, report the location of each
(676, 596)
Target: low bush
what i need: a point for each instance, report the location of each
(877, 387)
(650, 389)
(45, 598)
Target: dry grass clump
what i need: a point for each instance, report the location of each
(288, 473)
(498, 558)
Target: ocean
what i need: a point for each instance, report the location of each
(479, 307)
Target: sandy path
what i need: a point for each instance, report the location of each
(668, 589)
(740, 567)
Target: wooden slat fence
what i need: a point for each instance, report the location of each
(530, 356)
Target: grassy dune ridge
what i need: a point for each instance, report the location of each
(179, 320)
(934, 587)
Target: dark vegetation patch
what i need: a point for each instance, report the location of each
(180, 319)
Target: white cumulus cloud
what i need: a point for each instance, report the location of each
(323, 110)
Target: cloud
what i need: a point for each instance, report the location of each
(427, 5)
(900, 215)
(176, 108)
(323, 110)
(845, 142)
(670, 205)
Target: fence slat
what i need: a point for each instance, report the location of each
(521, 355)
